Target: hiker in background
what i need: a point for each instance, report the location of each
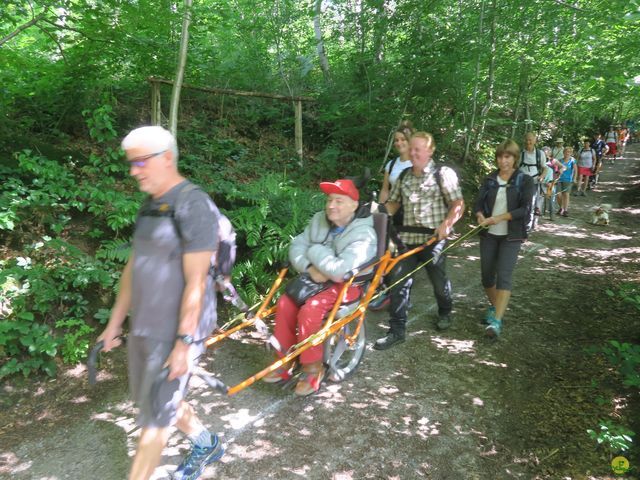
(167, 290)
(335, 241)
(558, 148)
(502, 205)
(586, 164)
(432, 203)
(623, 136)
(611, 140)
(533, 163)
(566, 180)
(554, 170)
(394, 167)
(601, 149)
(392, 171)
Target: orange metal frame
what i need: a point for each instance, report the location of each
(331, 326)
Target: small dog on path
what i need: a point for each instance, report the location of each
(600, 214)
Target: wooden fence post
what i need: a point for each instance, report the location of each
(156, 107)
(298, 130)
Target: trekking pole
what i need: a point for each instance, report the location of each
(92, 360)
(429, 242)
(212, 381)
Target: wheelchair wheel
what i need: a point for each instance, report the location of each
(341, 358)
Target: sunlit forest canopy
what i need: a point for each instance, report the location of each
(471, 71)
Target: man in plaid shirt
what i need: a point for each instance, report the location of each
(431, 206)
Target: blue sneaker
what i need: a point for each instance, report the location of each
(494, 328)
(197, 459)
(491, 313)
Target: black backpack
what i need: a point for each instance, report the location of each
(225, 258)
(538, 163)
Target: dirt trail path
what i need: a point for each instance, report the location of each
(449, 405)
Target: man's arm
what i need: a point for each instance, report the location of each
(392, 207)
(119, 311)
(456, 210)
(196, 268)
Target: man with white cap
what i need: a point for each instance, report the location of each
(167, 292)
(336, 241)
(558, 148)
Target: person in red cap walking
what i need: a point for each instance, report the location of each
(336, 241)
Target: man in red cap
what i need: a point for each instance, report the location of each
(336, 241)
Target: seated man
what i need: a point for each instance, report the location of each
(335, 242)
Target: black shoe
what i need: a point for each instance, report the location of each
(444, 322)
(389, 341)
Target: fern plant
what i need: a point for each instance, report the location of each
(268, 214)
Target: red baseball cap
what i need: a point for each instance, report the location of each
(341, 187)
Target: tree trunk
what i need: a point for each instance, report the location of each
(182, 61)
(491, 80)
(322, 55)
(476, 87)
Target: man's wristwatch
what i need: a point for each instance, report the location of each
(186, 339)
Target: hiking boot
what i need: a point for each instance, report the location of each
(536, 212)
(197, 459)
(312, 375)
(565, 213)
(491, 313)
(444, 321)
(389, 341)
(494, 328)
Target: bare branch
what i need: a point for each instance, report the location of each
(30, 23)
(52, 37)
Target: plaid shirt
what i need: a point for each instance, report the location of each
(422, 200)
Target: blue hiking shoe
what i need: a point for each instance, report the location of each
(491, 313)
(493, 328)
(197, 459)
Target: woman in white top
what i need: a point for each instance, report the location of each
(503, 206)
(394, 167)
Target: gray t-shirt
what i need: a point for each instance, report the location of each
(158, 278)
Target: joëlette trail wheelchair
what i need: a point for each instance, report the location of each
(342, 333)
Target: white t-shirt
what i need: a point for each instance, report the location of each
(398, 167)
(585, 159)
(500, 207)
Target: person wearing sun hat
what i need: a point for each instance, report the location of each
(334, 242)
(558, 148)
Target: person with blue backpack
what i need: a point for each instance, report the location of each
(503, 205)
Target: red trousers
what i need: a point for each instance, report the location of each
(294, 324)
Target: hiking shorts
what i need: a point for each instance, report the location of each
(585, 171)
(146, 357)
(498, 257)
(565, 187)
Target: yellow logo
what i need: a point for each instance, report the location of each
(163, 207)
(620, 465)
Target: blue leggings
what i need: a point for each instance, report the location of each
(498, 257)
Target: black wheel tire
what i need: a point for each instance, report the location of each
(348, 357)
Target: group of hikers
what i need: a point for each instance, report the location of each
(167, 290)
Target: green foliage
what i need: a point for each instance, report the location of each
(615, 438)
(627, 292)
(626, 358)
(47, 292)
(48, 296)
(267, 214)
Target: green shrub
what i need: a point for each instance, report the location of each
(267, 215)
(615, 438)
